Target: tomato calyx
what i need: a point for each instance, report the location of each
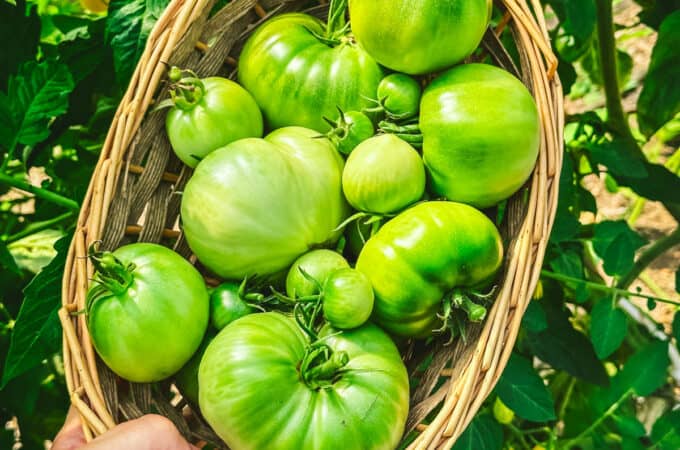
(349, 130)
(111, 273)
(461, 304)
(321, 366)
(186, 90)
(408, 131)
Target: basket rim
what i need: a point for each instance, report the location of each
(488, 356)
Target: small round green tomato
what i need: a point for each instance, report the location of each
(147, 311)
(218, 113)
(400, 95)
(383, 174)
(481, 134)
(318, 264)
(226, 305)
(352, 129)
(418, 37)
(347, 299)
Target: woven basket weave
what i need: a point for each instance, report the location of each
(132, 198)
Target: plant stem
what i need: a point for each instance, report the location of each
(612, 409)
(603, 288)
(39, 192)
(519, 435)
(566, 399)
(657, 249)
(616, 117)
(336, 18)
(39, 226)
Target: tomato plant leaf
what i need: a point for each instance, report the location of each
(616, 244)
(577, 24)
(483, 433)
(7, 261)
(20, 31)
(646, 370)
(563, 347)
(37, 331)
(38, 93)
(128, 26)
(629, 426)
(523, 391)
(608, 327)
(660, 97)
(666, 431)
(677, 280)
(534, 318)
(655, 11)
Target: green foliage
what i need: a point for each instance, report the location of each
(523, 391)
(37, 332)
(127, 27)
(616, 244)
(660, 98)
(34, 96)
(22, 30)
(666, 431)
(608, 326)
(483, 433)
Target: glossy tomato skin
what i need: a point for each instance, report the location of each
(357, 127)
(254, 206)
(136, 331)
(252, 395)
(400, 94)
(318, 264)
(187, 378)
(347, 299)
(481, 134)
(383, 174)
(225, 113)
(419, 36)
(226, 305)
(297, 79)
(422, 254)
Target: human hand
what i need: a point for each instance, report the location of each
(150, 432)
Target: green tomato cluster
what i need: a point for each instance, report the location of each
(351, 221)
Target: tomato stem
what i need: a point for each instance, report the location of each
(111, 273)
(320, 365)
(337, 25)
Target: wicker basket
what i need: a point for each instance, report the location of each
(131, 198)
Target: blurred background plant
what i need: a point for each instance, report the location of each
(596, 364)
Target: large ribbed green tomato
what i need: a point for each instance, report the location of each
(147, 311)
(419, 36)
(254, 206)
(421, 255)
(297, 79)
(258, 390)
(481, 134)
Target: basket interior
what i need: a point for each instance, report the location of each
(146, 205)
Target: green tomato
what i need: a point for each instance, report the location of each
(318, 264)
(347, 299)
(481, 134)
(419, 36)
(400, 95)
(256, 205)
(350, 130)
(383, 174)
(218, 112)
(297, 79)
(423, 254)
(262, 385)
(227, 305)
(141, 296)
